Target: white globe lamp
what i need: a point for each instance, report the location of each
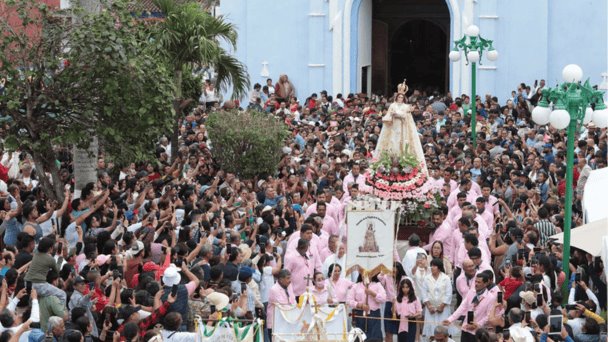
(492, 55)
(454, 55)
(572, 73)
(472, 31)
(540, 115)
(600, 118)
(560, 118)
(588, 115)
(473, 56)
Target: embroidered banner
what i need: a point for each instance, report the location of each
(370, 241)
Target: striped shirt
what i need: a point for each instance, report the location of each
(545, 229)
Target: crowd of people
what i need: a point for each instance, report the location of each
(148, 248)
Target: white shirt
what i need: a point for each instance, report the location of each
(333, 259)
(521, 332)
(178, 336)
(47, 226)
(409, 259)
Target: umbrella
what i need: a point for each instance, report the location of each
(587, 237)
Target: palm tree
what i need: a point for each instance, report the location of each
(188, 36)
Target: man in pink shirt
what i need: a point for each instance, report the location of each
(466, 280)
(455, 212)
(486, 215)
(280, 293)
(442, 233)
(480, 302)
(355, 177)
(306, 232)
(329, 224)
(447, 179)
(330, 249)
(302, 265)
(465, 186)
(470, 242)
(330, 210)
(491, 201)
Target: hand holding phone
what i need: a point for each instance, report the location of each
(91, 286)
(499, 297)
(470, 317)
(174, 290)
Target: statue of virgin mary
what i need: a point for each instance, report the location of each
(399, 132)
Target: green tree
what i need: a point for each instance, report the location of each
(190, 36)
(246, 143)
(68, 80)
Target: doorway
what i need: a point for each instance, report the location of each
(418, 52)
(410, 39)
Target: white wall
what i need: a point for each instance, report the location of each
(365, 39)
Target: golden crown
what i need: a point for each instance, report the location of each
(402, 87)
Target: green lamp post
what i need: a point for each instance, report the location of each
(572, 107)
(473, 46)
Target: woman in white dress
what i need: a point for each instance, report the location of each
(436, 296)
(399, 130)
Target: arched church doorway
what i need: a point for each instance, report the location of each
(410, 39)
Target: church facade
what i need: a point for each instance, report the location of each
(346, 46)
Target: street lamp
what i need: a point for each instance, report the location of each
(473, 48)
(572, 107)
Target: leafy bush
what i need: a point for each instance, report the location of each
(246, 143)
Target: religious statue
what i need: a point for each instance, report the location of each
(369, 242)
(399, 132)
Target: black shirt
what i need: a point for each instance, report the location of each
(22, 258)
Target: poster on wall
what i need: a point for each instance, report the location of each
(371, 235)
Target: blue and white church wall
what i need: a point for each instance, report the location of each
(324, 44)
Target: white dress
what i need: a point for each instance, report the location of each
(399, 133)
(436, 291)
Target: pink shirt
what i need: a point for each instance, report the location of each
(330, 226)
(357, 295)
(462, 255)
(325, 253)
(363, 188)
(339, 289)
(443, 234)
(405, 309)
(389, 286)
(481, 309)
(453, 200)
(453, 184)
(320, 295)
(301, 267)
(488, 218)
(292, 244)
(463, 285)
(490, 205)
(277, 295)
(332, 210)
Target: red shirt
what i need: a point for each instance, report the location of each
(3, 173)
(510, 285)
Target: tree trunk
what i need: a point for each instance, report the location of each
(177, 80)
(85, 161)
(85, 166)
(45, 161)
